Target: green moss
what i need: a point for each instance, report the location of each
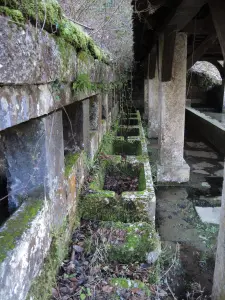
(16, 226)
(42, 285)
(70, 161)
(48, 14)
(125, 283)
(14, 14)
(140, 239)
(141, 181)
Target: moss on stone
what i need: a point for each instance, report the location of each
(140, 239)
(17, 225)
(125, 283)
(141, 181)
(70, 161)
(49, 15)
(14, 14)
(41, 287)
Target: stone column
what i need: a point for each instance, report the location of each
(86, 125)
(172, 95)
(146, 97)
(146, 89)
(218, 292)
(153, 106)
(105, 109)
(35, 163)
(95, 112)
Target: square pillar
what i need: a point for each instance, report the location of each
(86, 125)
(95, 112)
(34, 154)
(172, 95)
(153, 106)
(146, 97)
(105, 109)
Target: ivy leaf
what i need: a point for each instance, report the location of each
(82, 296)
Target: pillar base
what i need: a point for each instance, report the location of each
(173, 173)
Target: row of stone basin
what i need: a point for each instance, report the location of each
(128, 152)
(133, 212)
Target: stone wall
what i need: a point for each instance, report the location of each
(48, 131)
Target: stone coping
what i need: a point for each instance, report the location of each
(207, 118)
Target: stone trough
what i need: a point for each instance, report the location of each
(129, 205)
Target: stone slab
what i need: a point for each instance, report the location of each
(209, 214)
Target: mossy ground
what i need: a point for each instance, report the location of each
(130, 242)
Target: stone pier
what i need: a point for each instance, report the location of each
(153, 106)
(172, 94)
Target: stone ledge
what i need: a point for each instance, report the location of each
(26, 61)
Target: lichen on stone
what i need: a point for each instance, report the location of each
(14, 228)
(139, 240)
(49, 16)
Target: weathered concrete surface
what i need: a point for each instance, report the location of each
(35, 160)
(30, 57)
(24, 262)
(86, 125)
(95, 112)
(33, 56)
(172, 167)
(19, 104)
(211, 129)
(153, 107)
(146, 97)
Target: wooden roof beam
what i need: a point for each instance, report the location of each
(201, 50)
(217, 8)
(185, 12)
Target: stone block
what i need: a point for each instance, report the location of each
(35, 158)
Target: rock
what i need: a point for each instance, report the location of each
(153, 256)
(78, 248)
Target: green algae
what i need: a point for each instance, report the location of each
(140, 239)
(70, 161)
(17, 225)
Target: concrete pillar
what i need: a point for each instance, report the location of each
(35, 162)
(172, 95)
(105, 109)
(146, 98)
(95, 112)
(153, 106)
(86, 125)
(218, 292)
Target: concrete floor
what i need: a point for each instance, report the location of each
(178, 221)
